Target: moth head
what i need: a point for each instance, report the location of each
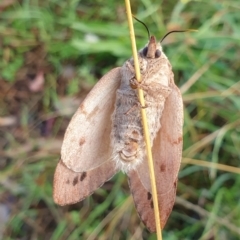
(153, 49)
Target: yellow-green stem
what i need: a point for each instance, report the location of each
(145, 125)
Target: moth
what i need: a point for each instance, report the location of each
(105, 136)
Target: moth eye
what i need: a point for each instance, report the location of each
(144, 51)
(157, 53)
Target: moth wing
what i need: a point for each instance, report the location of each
(167, 154)
(144, 203)
(70, 187)
(86, 143)
(86, 153)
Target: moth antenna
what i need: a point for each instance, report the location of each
(177, 31)
(143, 25)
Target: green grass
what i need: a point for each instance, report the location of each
(51, 36)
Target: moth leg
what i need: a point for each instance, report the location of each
(134, 83)
(130, 66)
(155, 89)
(146, 106)
(133, 108)
(130, 110)
(152, 88)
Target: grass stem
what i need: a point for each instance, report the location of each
(144, 122)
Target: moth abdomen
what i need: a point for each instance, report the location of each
(131, 144)
(127, 134)
(129, 152)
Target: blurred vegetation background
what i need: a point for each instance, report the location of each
(51, 54)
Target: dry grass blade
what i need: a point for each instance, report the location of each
(217, 166)
(145, 125)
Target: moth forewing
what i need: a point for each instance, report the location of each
(87, 138)
(85, 162)
(167, 149)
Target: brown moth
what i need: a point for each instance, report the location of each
(105, 136)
